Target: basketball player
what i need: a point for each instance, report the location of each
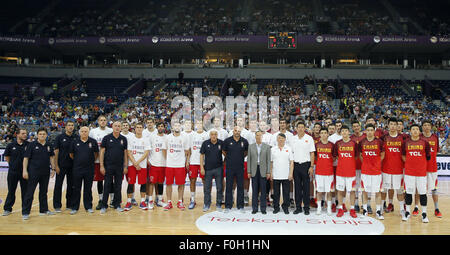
(98, 133)
(148, 133)
(358, 136)
(379, 133)
(346, 151)
(371, 153)
(331, 131)
(138, 150)
(157, 159)
(324, 173)
(177, 162)
(416, 154)
(393, 165)
(126, 132)
(195, 143)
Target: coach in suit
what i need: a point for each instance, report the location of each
(258, 170)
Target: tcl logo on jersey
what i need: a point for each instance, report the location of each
(323, 156)
(394, 149)
(346, 155)
(415, 153)
(157, 149)
(370, 153)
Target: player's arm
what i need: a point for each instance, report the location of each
(144, 157)
(202, 164)
(125, 161)
(25, 168)
(54, 164)
(427, 151)
(7, 159)
(56, 155)
(187, 153)
(131, 158)
(291, 170)
(101, 159)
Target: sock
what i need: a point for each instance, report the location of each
(129, 200)
(329, 206)
(408, 208)
(356, 201)
(180, 201)
(192, 196)
(150, 198)
(291, 195)
(379, 208)
(319, 207)
(245, 192)
(401, 203)
(436, 206)
(159, 198)
(352, 207)
(142, 199)
(100, 196)
(146, 197)
(416, 206)
(424, 209)
(390, 201)
(383, 201)
(365, 207)
(339, 207)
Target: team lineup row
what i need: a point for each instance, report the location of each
(373, 161)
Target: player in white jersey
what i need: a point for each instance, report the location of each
(98, 133)
(150, 130)
(157, 159)
(176, 165)
(222, 134)
(195, 143)
(126, 130)
(138, 150)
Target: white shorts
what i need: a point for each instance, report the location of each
(358, 179)
(432, 181)
(416, 182)
(371, 183)
(345, 183)
(392, 181)
(324, 183)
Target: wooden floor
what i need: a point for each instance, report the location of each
(174, 222)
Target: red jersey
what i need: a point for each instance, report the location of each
(316, 138)
(379, 133)
(358, 139)
(417, 154)
(433, 140)
(371, 155)
(405, 136)
(324, 158)
(346, 153)
(392, 162)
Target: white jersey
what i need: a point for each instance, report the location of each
(176, 147)
(98, 134)
(334, 138)
(157, 145)
(222, 134)
(289, 138)
(267, 138)
(147, 133)
(195, 144)
(138, 146)
(128, 136)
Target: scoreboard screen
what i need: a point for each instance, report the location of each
(282, 40)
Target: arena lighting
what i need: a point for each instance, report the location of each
(353, 61)
(9, 58)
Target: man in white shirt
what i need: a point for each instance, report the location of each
(157, 159)
(177, 162)
(303, 148)
(335, 136)
(195, 143)
(98, 133)
(282, 170)
(138, 150)
(150, 130)
(221, 132)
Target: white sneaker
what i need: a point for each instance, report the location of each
(319, 211)
(329, 213)
(425, 218)
(226, 210)
(406, 216)
(242, 210)
(379, 215)
(151, 205)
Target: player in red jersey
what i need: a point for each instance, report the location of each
(357, 136)
(324, 174)
(346, 151)
(371, 153)
(393, 165)
(433, 140)
(315, 134)
(400, 128)
(416, 154)
(379, 132)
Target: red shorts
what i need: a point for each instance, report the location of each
(194, 171)
(177, 173)
(141, 174)
(157, 174)
(98, 176)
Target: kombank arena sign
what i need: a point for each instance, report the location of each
(237, 223)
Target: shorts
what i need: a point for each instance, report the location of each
(358, 179)
(345, 183)
(156, 174)
(371, 183)
(415, 182)
(194, 172)
(324, 183)
(141, 175)
(393, 181)
(177, 173)
(98, 176)
(432, 181)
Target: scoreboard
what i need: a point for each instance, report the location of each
(282, 40)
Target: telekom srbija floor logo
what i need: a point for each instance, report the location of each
(235, 222)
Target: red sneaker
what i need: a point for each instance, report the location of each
(333, 208)
(180, 205)
(143, 205)
(343, 207)
(127, 206)
(415, 212)
(437, 213)
(340, 213)
(168, 206)
(313, 203)
(390, 208)
(353, 213)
